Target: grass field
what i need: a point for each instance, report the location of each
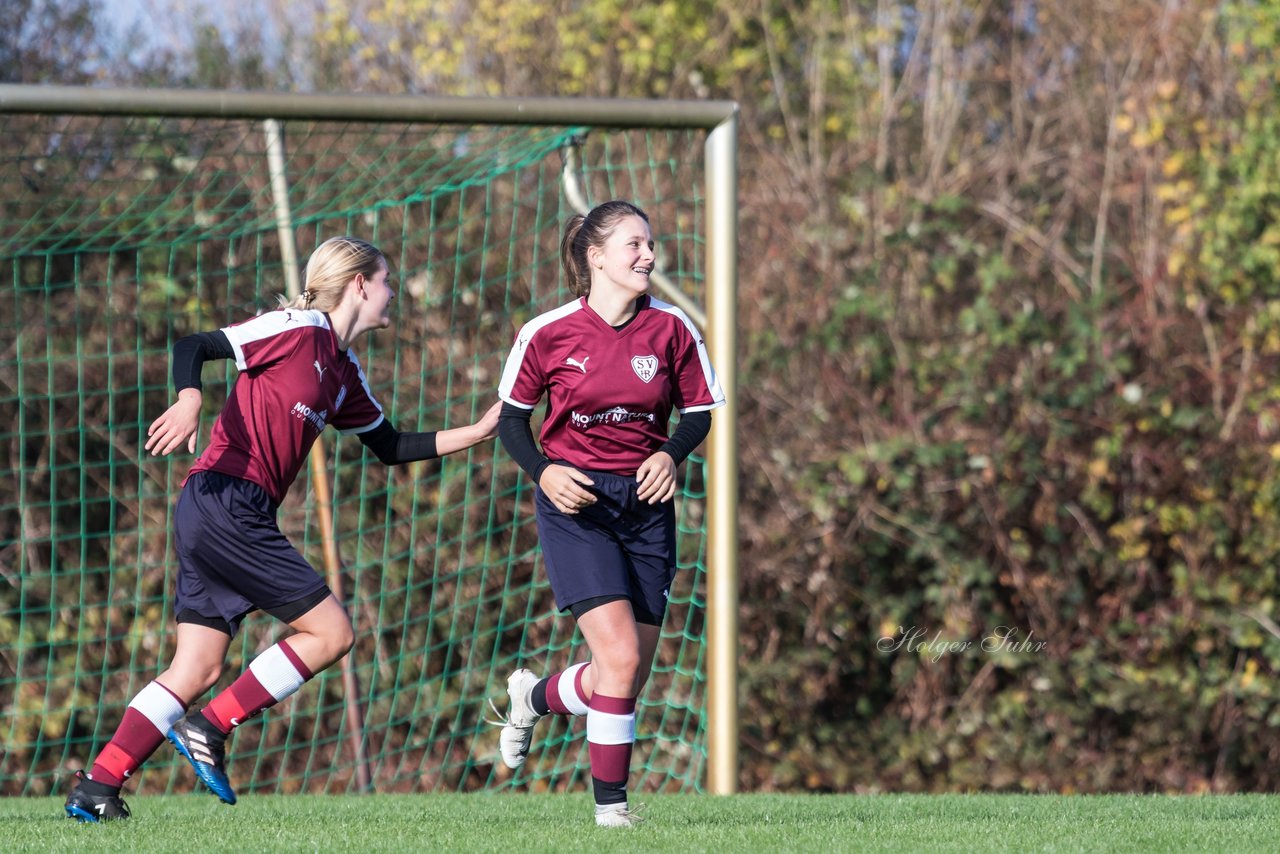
(742, 824)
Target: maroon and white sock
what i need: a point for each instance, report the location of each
(561, 693)
(611, 732)
(149, 716)
(271, 677)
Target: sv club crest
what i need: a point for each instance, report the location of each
(646, 367)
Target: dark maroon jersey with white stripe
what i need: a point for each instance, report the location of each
(293, 381)
(610, 391)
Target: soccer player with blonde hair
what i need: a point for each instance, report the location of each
(297, 375)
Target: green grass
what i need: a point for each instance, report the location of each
(742, 824)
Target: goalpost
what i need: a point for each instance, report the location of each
(133, 217)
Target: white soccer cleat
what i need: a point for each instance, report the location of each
(517, 727)
(618, 815)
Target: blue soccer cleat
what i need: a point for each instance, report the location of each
(95, 802)
(207, 754)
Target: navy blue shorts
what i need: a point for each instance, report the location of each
(618, 547)
(233, 559)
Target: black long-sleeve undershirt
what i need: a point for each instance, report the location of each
(393, 447)
(190, 354)
(689, 433)
(388, 444)
(517, 438)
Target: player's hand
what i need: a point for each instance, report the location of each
(656, 478)
(180, 423)
(487, 426)
(460, 438)
(567, 488)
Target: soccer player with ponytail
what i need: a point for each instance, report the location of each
(613, 365)
(296, 376)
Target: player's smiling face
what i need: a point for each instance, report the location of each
(626, 259)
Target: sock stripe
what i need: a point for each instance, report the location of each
(176, 698)
(118, 763)
(297, 662)
(608, 727)
(580, 693)
(276, 673)
(604, 728)
(159, 705)
(569, 687)
(613, 705)
(225, 712)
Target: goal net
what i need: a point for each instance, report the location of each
(120, 234)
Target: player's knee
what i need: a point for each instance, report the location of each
(621, 665)
(187, 678)
(637, 685)
(344, 637)
(209, 675)
(191, 679)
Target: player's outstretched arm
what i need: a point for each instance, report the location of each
(395, 448)
(177, 425)
(461, 438)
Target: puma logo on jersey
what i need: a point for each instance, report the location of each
(319, 370)
(582, 366)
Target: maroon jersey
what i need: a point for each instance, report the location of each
(293, 381)
(610, 391)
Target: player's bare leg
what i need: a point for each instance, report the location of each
(322, 636)
(622, 653)
(198, 660)
(197, 663)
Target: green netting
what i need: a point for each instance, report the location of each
(119, 235)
